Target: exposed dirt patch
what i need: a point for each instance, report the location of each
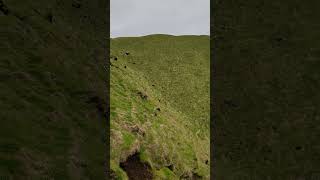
(135, 169)
(138, 130)
(191, 176)
(196, 176)
(142, 95)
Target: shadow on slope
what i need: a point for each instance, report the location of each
(135, 169)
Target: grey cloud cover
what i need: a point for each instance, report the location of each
(143, 17)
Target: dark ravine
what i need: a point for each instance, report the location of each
(135, 169)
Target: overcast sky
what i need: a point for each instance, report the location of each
(143, 17)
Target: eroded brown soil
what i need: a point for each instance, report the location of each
(135, 169)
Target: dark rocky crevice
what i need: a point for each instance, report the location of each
(135, 169)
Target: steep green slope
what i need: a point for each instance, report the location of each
(52, 89)
(266, 89)
(267, 109)
(160, 104)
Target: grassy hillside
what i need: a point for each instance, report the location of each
(52, 89)
(266, 58)
(159, 106)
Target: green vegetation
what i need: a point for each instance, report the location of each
(159, 104)
(52, 79)
(266, 89)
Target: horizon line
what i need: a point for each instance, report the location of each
(159, 34)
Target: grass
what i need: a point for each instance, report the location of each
(49, 71)
(266, 60)
(53, 81)
(171, 125)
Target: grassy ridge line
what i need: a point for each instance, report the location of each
(178, 66)
(170, 137)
